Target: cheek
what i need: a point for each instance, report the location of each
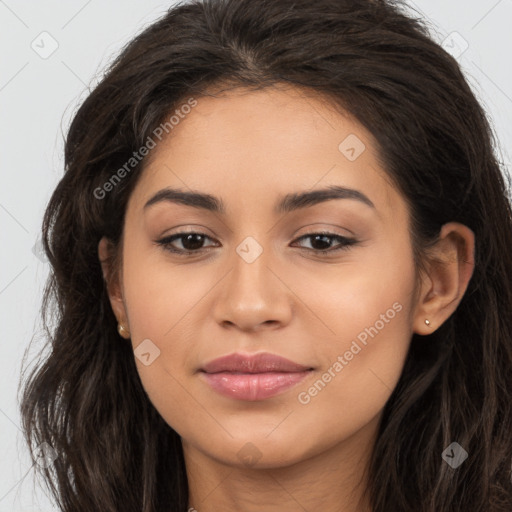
(345, 300)
(159, 294)
(367, 315)
(159, 309)
(158, 298)
(360, 370)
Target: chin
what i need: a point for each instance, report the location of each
(258, 451)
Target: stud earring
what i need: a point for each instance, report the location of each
(427, 322)
(124, 333)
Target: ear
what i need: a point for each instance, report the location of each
(450, 264)
(112, 277)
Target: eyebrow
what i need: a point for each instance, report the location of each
(288, 203)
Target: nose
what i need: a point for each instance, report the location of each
(254, 296)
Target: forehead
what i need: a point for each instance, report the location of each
(242, 144)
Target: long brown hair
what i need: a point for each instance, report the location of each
(85, 399)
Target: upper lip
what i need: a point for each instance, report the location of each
(253, 363)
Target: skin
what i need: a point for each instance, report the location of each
(249, 149)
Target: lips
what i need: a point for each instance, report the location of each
(257, 363)
(253, 377)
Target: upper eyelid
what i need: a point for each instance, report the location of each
(310, 233)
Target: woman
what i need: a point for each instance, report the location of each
(281, 273)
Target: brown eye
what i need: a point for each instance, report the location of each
(321, 242)
(191, 242)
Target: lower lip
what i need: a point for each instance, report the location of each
(253, 386)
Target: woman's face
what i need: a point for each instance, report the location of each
(259, 283)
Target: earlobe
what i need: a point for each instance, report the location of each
(450, 265)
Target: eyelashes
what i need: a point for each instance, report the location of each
(194, 240)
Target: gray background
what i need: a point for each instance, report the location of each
(40, 92)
